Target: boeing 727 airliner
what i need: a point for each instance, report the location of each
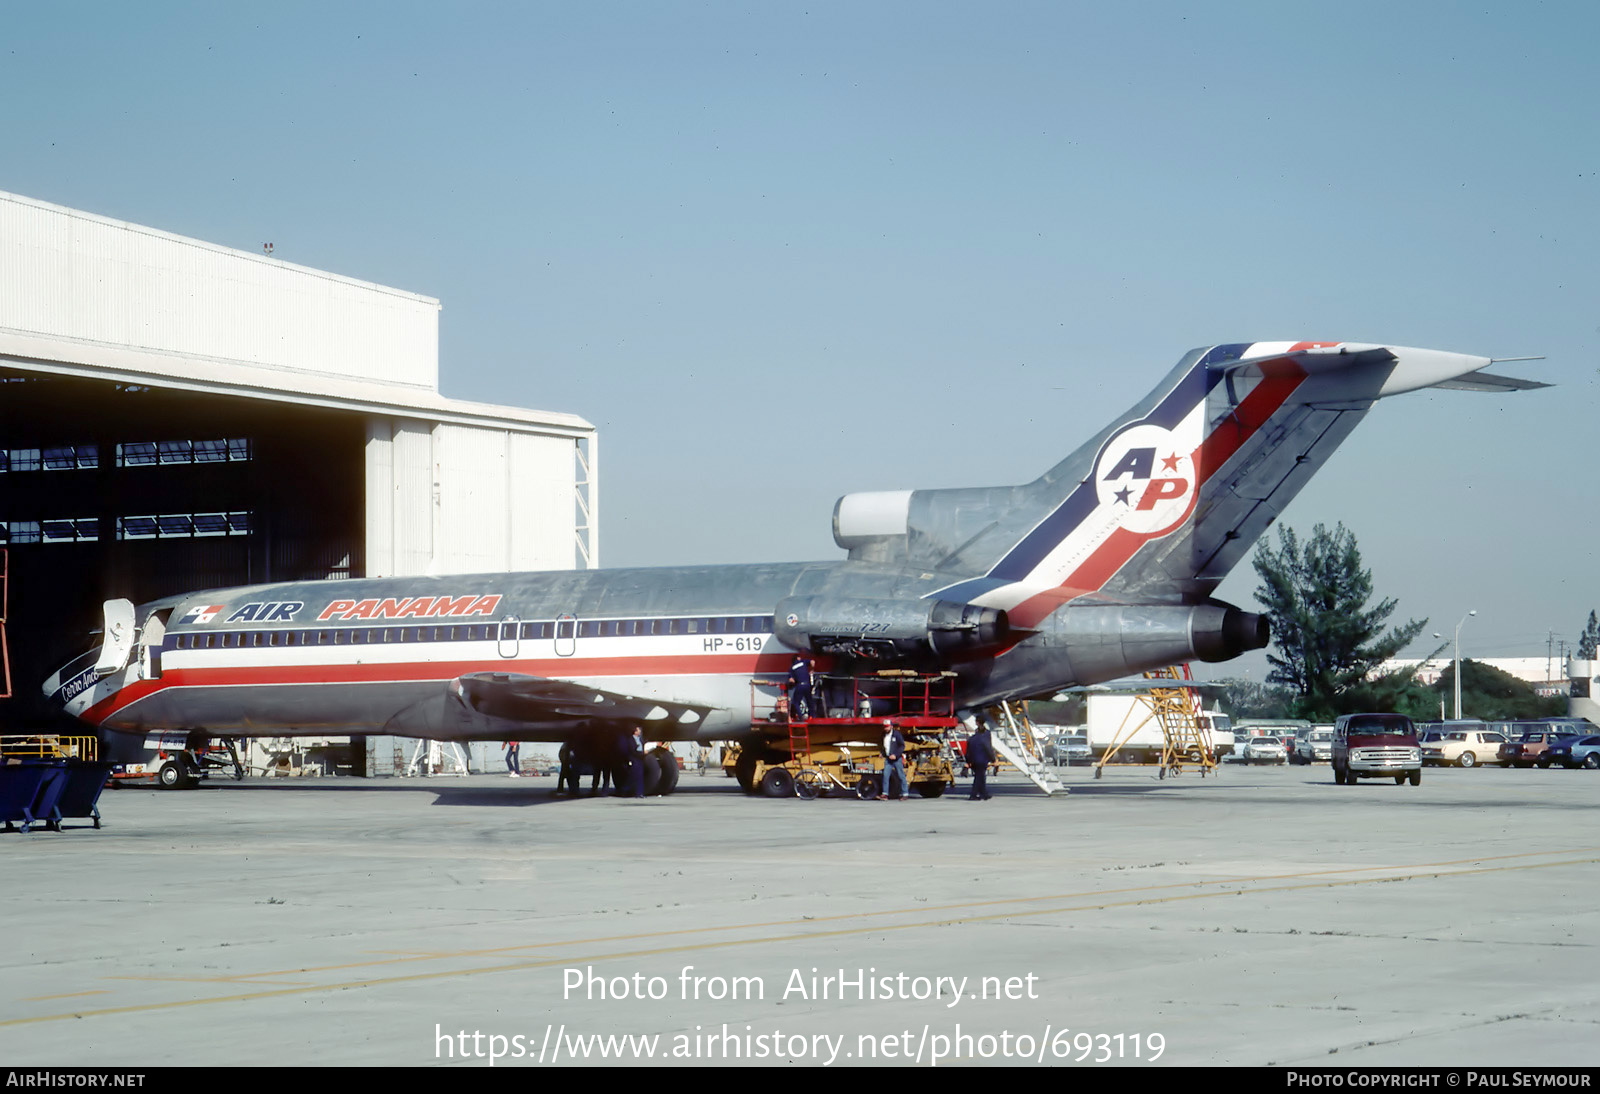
(1103, 566)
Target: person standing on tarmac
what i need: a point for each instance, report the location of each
(513, 757)
(894, 763)
(980, 754)
(636, 761)
(569, 771)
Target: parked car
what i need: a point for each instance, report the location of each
(1573, 752)
(1264, 750)
(1462, 747)
(1526, 748)
(1314, 745)
(1070, 748)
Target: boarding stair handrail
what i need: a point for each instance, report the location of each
(1015, 739)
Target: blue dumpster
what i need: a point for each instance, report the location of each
(28, 792)
(84, 783)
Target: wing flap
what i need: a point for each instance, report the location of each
(538, 700)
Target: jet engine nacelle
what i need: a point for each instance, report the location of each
(868, 629)
(1104, 641)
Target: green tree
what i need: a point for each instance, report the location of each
(1327, 638)
(1488, 693)
(1587, 641)
(1247, 699)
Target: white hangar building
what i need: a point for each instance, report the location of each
(176, 415)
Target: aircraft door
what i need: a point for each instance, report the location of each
(566, 634)
(510, 636)
(151, 640)
(117, 648)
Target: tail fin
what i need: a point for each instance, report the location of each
(1168, 498)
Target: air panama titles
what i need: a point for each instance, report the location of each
(407, 607)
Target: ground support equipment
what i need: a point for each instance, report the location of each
(840, 750)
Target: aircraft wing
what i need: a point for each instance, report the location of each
(539, 701)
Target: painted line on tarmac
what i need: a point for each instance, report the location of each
(405, 957)
(1427, 871)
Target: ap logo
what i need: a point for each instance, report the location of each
(1145, 477)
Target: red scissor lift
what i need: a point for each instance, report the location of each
(840, 749)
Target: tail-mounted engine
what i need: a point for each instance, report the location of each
(1104, 641)
(886, 631)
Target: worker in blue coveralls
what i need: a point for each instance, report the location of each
(800, 688)
(980, 754)
(636, 762)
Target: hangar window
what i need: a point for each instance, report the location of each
(177, 525)
(82, 530)
(211, 524)
(136, 454)
(71, 457)
(148, 453)
(22, 531)
(136, 527)
(19, 459)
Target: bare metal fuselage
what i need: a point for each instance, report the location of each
(1101, 567)
(377, 655)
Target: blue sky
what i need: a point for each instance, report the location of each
(779, 252)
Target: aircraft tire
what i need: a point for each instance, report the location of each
(669, 771)
(652, 774)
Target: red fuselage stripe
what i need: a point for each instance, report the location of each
(562, 668)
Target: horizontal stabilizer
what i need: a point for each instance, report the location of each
(1488, 381)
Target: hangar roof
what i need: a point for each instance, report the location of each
(84, 295)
